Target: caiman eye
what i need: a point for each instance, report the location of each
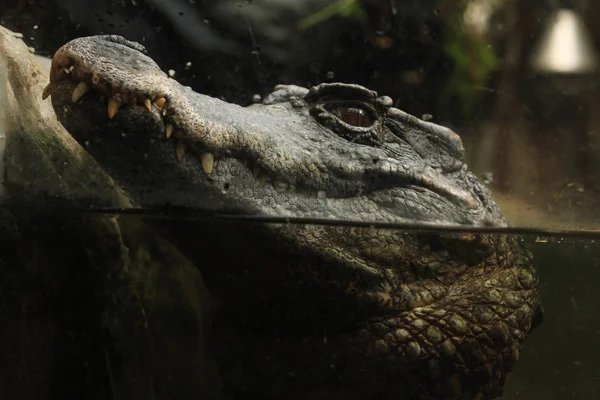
(356, 121)
(353, 116)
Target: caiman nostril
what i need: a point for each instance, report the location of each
(121, 40)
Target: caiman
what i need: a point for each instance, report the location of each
(309, 311)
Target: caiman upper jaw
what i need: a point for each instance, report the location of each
(82, 64)
(88, 67)
(90, 61)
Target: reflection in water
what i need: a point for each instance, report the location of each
(106, 307)
(560, 360)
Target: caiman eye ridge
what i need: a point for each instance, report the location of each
(90, 82)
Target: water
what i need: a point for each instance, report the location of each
(93, 310)
(561, 359)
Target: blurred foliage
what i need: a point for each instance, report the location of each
(467, 45)
(472, 55)
(342, 8)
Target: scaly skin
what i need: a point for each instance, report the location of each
(313, 311)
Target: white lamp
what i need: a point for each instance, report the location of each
(565, 46)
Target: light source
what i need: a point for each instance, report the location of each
(565, 46)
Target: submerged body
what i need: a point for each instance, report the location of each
(315, 311)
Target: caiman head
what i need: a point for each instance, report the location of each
(329, 312)
(336, 150)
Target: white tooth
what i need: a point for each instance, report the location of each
(148, 104)
(113, 107)
(160, 102)
(46, 91)
(207, 160)
(180, 148)
(169, 130)
(80, 90)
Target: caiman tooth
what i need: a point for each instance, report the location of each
(180, 148)
(46, 91)
(81, 89)
(148, 104)
(160, 102)
(208, 161)
(113, 107)
(169, 130)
